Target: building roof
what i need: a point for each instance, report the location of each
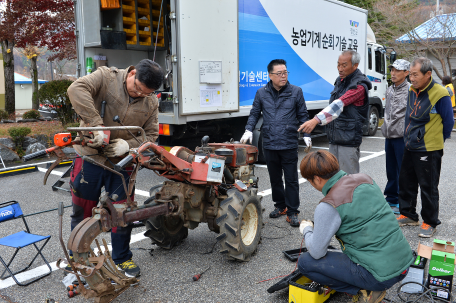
(441, 27)
(21, 79)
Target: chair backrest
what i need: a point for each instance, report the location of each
(10, 210)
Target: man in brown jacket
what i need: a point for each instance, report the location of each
(128, 94)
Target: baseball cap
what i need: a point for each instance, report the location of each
(400, 64)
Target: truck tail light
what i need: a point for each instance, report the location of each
(166, 129)
(163, 129)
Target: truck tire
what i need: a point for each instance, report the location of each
(240, 224)
(372, 123)
(166, 232)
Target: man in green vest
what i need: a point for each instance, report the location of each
(428, 123)
(375, 254)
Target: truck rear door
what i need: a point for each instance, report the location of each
(207, 52)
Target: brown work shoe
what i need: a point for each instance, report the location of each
(277, 212)
(365, 296)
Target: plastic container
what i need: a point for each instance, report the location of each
(89, 65)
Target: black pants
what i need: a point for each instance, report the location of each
(423, 169)
(285, 161)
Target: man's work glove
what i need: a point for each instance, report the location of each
(304, 224)
(116, 148)
(308, 142)
(247, 137)
(99, 137)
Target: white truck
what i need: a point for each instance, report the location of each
(215, 54)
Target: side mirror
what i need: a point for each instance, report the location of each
(392, 57)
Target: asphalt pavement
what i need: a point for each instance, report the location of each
(166, 275)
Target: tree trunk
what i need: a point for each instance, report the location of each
(34, 73)
(449, 66)
(8, 65)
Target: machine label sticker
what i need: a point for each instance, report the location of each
(216, 167)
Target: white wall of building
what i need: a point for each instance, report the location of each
(24, 96)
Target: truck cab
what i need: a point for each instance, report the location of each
(376, 72)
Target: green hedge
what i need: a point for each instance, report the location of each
(31, 114)
(54, 94)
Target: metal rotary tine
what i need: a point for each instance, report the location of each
(99, 273)
(113, 266)
(100, 252)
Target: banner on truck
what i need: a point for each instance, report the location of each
(308, 34)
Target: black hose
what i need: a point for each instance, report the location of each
(228, 176)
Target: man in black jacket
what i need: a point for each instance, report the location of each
(346, 113)
(284, 109)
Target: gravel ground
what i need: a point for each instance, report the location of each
(167, 275)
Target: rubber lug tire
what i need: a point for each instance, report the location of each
(165, 232)
(240, 224)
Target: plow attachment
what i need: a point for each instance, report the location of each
(105, 282)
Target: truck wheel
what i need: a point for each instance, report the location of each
(240, 224)
(166, 232)
(372, 123)
(261, 158)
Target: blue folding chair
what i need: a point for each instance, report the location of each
(10, 211)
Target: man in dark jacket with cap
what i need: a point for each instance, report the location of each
(284, 109)
(347, 111)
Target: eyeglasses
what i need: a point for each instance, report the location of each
(138, 90)
(281, 74)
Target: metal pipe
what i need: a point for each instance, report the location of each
(142, 214)
(88, 129)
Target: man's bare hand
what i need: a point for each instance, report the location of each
(308, 126)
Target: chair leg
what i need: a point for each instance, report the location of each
(7, 266)
(28, 266)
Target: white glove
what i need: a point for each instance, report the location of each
(116, 148)
(247, 137)
(98, 137)
(304, 224)
(308, 142)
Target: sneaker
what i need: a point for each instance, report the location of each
(293, 220)
(129, 268)
(365, 296)
(395, 210)
(403, 220)
(68, 267)
(426, 231)
(277, 212)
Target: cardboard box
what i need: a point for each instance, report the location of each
(98, 63)
(441, 267)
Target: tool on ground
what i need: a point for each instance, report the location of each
(72, 293)
(198, 276)
(72, 287)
